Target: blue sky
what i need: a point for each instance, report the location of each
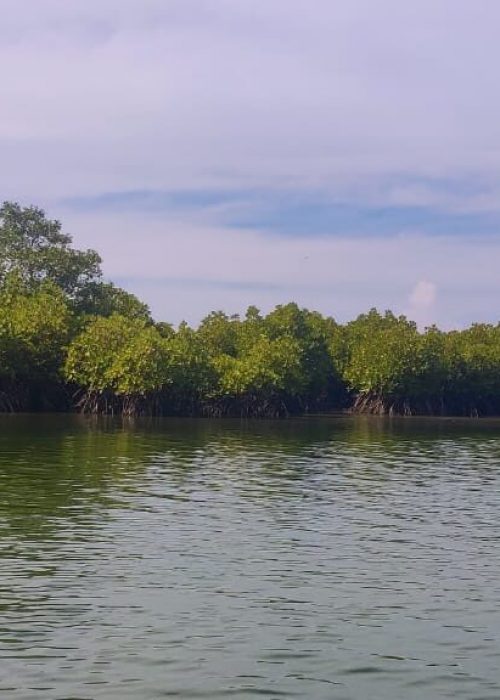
(220, 153)
(300, 212)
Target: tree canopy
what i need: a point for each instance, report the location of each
(71, 340)
(36, 249)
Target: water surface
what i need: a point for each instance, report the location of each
(323, 558)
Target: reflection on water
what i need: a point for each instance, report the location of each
(313, 558)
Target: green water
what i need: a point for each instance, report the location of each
(314, 558)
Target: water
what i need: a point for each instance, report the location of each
(314, 558)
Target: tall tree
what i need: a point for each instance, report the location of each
(36, 249)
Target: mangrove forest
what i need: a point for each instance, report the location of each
(71, 341)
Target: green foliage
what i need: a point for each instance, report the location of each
(471, 368)
(270, 364)
(313, 333)
(34, 329)
(35, 248)
(105, 299)
(117, 357)
(191, 374)
(62, 328)
(219, 333)
(289, 361)
(166, 330)
(383, 360)
(264, 377)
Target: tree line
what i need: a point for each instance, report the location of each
(71, 341)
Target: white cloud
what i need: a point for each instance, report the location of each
(423, 295)
(422, 300)
(125, 95)
(369, 101)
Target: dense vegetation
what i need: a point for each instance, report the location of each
(71, 341)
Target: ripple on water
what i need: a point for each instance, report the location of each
(319, 558)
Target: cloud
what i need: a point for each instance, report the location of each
(301, 212)
(423, 295)
(221, 153)
(422, 300)
(125, 95)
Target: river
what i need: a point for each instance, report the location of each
(323, 558)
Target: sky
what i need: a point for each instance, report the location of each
(222, 153)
